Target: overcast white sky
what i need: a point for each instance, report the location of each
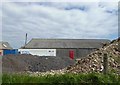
(73, 20)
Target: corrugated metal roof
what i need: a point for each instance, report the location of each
(65, 43)
(5, 45)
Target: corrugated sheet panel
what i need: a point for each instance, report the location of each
(7, 51)
(39, 52)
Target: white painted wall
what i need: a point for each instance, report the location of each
(39, 52)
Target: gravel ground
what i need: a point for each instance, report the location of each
(20, 63)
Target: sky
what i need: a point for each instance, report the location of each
(66, 20)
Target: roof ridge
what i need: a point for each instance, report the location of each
(64, 39)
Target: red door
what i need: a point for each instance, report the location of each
(71, 54)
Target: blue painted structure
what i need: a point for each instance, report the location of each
(10, 51)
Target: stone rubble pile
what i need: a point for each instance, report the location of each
(94, 61)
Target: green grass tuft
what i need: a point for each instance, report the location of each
(67, 79)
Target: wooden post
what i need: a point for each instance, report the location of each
(105, 64)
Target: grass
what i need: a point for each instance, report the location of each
(71, 79)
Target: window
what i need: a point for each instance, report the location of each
(4, 45)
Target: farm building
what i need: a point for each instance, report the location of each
(62, 47)
(5, 49)
(4, 46)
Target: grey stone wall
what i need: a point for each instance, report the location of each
(77, 52)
